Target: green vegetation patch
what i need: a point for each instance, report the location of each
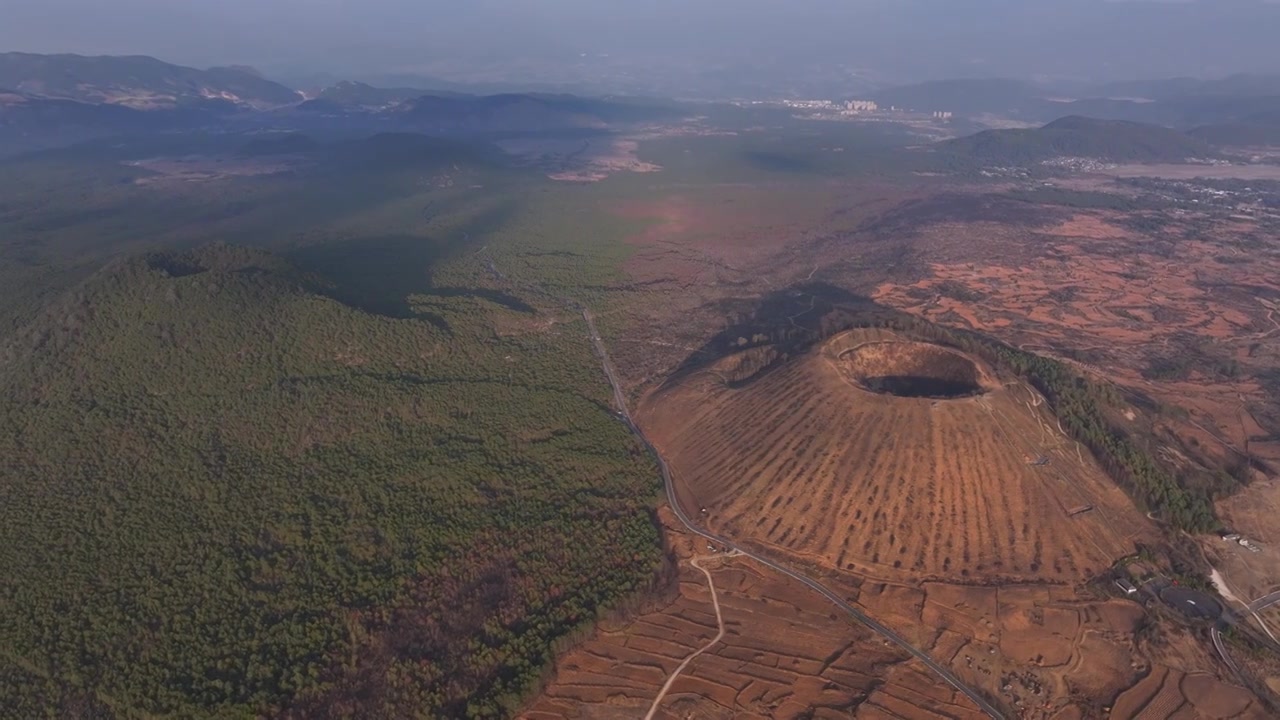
(226, 494)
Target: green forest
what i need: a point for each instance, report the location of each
(226, 494)
(372, 472)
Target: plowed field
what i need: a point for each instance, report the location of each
(1166, 694)
(787, 653)
(1125, 302)
(806, 460)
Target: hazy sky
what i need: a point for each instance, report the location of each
(898, 39)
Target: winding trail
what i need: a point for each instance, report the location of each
(668, 481)
(715, 600)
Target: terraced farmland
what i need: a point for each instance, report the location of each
(806, 459)
(786, 654)
(1166, 694)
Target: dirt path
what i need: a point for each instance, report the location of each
(1221, 584)
(719, 636)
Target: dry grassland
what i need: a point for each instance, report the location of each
(1253, 511)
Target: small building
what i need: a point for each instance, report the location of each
(1126, 586)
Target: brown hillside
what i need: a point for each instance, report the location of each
(785, 654)
(825, 457)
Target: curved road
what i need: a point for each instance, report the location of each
(715, 601)
(1226, 656)
(1265, 602)
(620, 400)
(1254, 607)
(1261, 604)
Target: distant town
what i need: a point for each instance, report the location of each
(846, 109)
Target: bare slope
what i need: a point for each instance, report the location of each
(805, 459)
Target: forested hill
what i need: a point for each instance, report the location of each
(226, 494)
(1111, 140)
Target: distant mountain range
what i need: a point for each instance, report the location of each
(1108, 140)
(32, 122)
(137, 81)
(51, 100)
(353, 108)
(348, 94)
(1251, 101)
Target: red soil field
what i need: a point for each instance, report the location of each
(882, 495)
(787, 653)
(1167, 694)
(1091, 288)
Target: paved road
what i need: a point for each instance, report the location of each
(1226, 656)
(1254, 607)
(1261, 604)
(620, 401)
(715, 601)
(1265, 602)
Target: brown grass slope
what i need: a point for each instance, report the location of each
(804, 460)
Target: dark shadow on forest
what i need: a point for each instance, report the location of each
(380, 275)
(174, 265)
(498, 297)
(376, 275)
